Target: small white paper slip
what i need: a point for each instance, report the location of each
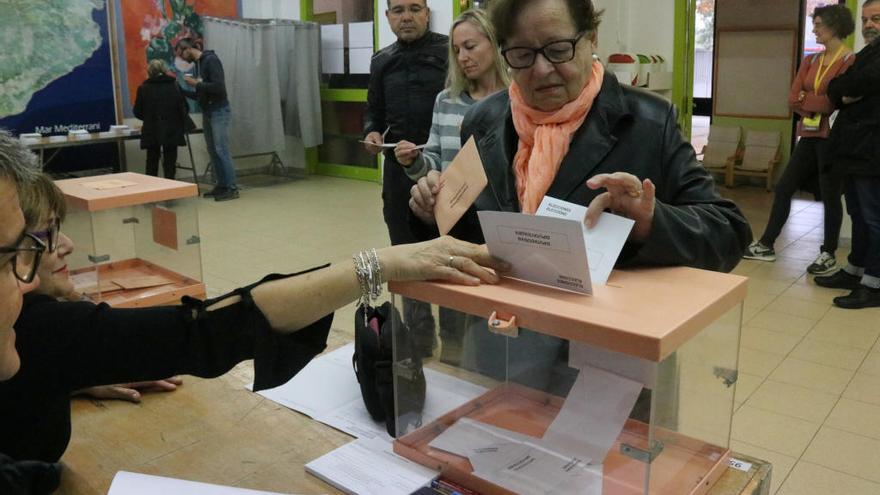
(393, 145)
(604, 241)
(370, 467)
(545, 250)
(125, 483)
(738, 464)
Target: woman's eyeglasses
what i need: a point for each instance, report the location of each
(50, 235)
(557, 52)
(25, 257)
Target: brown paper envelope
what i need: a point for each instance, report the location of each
(141, 281)
(106, 286)
(164, 227)
(463, 181)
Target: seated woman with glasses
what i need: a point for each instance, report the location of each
(568, 130)
(44, 209)
(281, 322)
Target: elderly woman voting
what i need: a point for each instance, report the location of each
(567, 129)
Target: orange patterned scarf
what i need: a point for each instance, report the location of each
(544, 138)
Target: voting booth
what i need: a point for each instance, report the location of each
(137, 239)
(626, 391)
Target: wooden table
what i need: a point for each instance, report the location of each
(215, 431)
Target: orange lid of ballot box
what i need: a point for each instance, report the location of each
(647, 313)
(103, 192)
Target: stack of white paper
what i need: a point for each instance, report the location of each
(369, 467)
(78, 133)
(125, 483)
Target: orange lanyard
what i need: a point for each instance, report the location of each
(820, 74)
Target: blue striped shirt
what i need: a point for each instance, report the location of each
(444, 141)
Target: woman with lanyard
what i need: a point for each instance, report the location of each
(831, 25)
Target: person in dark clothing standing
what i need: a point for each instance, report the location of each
(162, 107)
(405, 79)
(209, 88)
(855, 145)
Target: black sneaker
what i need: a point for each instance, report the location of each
(760, 252)
(839, 280)
(227, 195)
(862, 297)
(825, 263)
(214, 192)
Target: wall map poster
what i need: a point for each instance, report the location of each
(151, 28)
(55, 68)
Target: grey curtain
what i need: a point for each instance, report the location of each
(273, 90)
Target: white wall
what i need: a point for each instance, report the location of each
(270, 9)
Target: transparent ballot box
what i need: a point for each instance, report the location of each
(136, 237)
(627, 391)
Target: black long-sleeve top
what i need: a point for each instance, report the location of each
(404, 81)
(211, 92)
(67, 346)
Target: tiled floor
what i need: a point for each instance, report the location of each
(808, 396)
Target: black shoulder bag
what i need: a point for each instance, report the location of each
(374, 366)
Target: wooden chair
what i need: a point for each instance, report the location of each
(761, 154)
(722, 149)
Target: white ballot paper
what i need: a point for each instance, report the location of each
(581, 355)
(125, 483)
(540, 249)
(519, 462)
(604, 241)
(593, 415)
(370, 467)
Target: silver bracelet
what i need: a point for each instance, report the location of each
(369, 274)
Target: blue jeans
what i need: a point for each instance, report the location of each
(863, 205)
(216, 125)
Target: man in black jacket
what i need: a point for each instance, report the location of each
(855, 148)
(405, 79)
(209, 88)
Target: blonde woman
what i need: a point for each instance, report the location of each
(479, 70)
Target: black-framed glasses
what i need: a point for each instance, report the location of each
(25, 257)
(556, 52)
(50, 235)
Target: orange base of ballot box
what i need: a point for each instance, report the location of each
(685, 466)
(107, 282)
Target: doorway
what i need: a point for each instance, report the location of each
(704, 46)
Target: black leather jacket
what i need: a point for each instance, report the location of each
(627, 130)
(404, 81)
(855, 137)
